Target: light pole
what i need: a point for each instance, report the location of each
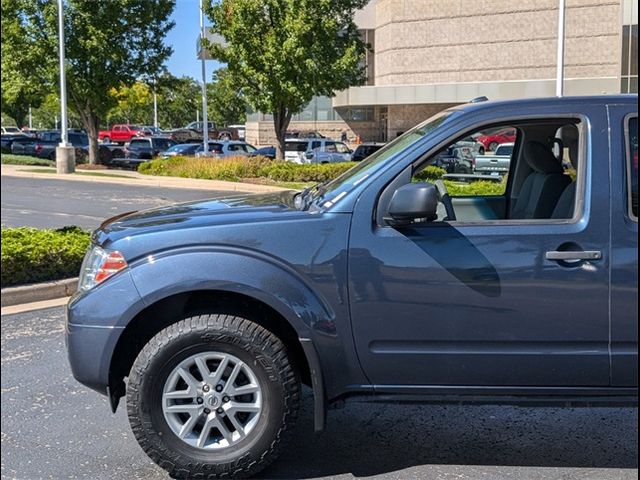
(560, 59)
(65, 154)
(155, 105)
(205, 120)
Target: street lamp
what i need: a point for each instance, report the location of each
(155, 103)
(205, 120)
(560, 58)
(65, 154)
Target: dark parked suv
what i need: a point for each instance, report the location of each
(376, 284)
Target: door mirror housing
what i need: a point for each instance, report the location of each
(414, 202)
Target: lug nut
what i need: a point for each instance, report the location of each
(207, 411)
(199, 400)
(206, 388)
(225, 399)
(220, 410)
(219, 388)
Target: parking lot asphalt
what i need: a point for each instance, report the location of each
(54, 428)
(52, 203)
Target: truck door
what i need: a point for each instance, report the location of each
(492, 299)
(624, 246)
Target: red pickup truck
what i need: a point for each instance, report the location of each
(120, 133)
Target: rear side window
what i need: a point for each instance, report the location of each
(632, 165)
(295, 146)
(76, 139)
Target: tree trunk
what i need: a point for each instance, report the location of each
(281, 120)
(92, 133)
(91, 123)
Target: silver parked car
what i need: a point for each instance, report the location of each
(316, 150)
(228, 148)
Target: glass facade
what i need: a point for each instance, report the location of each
(319, 109)
(629, 73)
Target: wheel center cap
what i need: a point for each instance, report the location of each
(213, 401)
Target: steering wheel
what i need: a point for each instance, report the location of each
(445, 199)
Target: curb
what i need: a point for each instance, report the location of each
(149, 181)
(37, 292)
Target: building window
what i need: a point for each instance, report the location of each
(365, 114)
(369, 38)
(629, 77)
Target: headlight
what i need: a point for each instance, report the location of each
(98, 265)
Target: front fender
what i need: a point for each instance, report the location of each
(235, 270)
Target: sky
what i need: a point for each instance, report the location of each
(183, 39)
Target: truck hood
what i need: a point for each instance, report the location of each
(201, 213)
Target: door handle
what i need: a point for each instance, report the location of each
(569, 256)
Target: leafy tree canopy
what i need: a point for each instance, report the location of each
(108, 44)
(226, 103)
(281, 53)
(134, 104)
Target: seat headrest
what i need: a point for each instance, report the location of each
(540, 158)
(570, 138)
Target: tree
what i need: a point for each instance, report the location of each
(22, 69)
(226, 103)
(178, 100)
(107, 44)
(134, 104)
(47, 115)
(281, 53)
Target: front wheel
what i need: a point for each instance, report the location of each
(213, 396)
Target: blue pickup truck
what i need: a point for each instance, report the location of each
(376, 284)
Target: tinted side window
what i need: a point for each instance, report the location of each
(77, 139)
(138, 143)
(296, 146)
(632, 165)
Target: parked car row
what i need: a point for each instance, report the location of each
(320, 150)
(42, 146)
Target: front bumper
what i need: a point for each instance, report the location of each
(90, 349)
(95, 322)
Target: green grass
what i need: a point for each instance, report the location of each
(8, 159)
(30, 255)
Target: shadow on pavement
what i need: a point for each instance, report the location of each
(366, 439)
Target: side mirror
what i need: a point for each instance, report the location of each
(415, 201)
(309, 155)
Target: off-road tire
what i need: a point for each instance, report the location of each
(250, 342)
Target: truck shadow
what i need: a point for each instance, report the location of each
(366, 439)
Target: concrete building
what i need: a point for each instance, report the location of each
(430, 54)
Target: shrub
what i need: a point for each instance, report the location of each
(430, 173)
(9, 159)
(481, 187)
(235, 169)
(30, 255)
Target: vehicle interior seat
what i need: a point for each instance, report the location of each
(543, 187)
(566, 202)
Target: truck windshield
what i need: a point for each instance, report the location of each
(328, 194)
